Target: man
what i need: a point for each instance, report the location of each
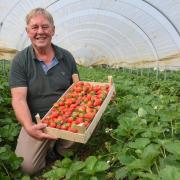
(39, 75)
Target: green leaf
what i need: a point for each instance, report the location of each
(139, 143)
(90, 163)
(101, 166)
(150, 153)
(9, 131)
(121, 173)
(153, 132)
(74, 169)
(6, 121)
(93, 165)
(170, 160)
(93, 178)
(4, 177)
(66, 162)
(126, 159)
(166, 115)
(26, 178)
(169, 173)
(55, 173)
(148, 156)
(141, 112)
(137, 164)
(5, 153)
(173, 147)
(15, 161)
(147, 176)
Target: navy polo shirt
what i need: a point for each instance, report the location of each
(43, 88)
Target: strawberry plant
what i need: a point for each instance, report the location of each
(9, 163)
(136, 138)
(91, 168)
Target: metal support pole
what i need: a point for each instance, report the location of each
(165, 75)
(141, 72)
(157, 72)
(4, 67)
(1, 25)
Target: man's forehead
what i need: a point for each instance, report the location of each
(39, 19)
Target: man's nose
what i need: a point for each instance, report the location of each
(40, 30)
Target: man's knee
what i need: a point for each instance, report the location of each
(30, 168)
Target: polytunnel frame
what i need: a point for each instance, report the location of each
(116, 32)
(129, 2)
(91, 30)
(100, 42)
(160, 16)
(115, 16)
(112, 29)
(13, 7)
(144, 34)
(119, 17)
(161, 12)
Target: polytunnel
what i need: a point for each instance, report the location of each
(118, 33)
(110, 113)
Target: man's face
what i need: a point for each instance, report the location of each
(40, 31)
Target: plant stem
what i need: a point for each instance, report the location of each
(150, 170)
(6, 170)
(172, 129)
(116, 138)
(109, 154)
(164, 134)
(156, 167)
(163, 152)
(175, 126)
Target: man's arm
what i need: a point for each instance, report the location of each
(20, 106)
(23, 114)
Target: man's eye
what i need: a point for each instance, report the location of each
(45, 27)
(34, 27)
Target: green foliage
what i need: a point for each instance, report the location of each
(91, 168)
(9, 163)
(136, 138)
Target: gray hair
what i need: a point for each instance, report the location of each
(38, 11)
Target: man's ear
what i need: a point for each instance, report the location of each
(26, 29)
(53, 30)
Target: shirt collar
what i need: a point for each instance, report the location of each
(58, 52)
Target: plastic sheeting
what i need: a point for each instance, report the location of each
(119, 33)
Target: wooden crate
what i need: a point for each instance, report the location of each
(84, 134)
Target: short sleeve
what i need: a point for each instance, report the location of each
(17, 77)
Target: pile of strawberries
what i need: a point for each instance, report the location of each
(78, 106)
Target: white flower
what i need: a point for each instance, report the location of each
(108, 130)
(155, 107)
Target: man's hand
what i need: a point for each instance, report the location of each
(36, 131)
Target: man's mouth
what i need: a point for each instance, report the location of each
(41, 38)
